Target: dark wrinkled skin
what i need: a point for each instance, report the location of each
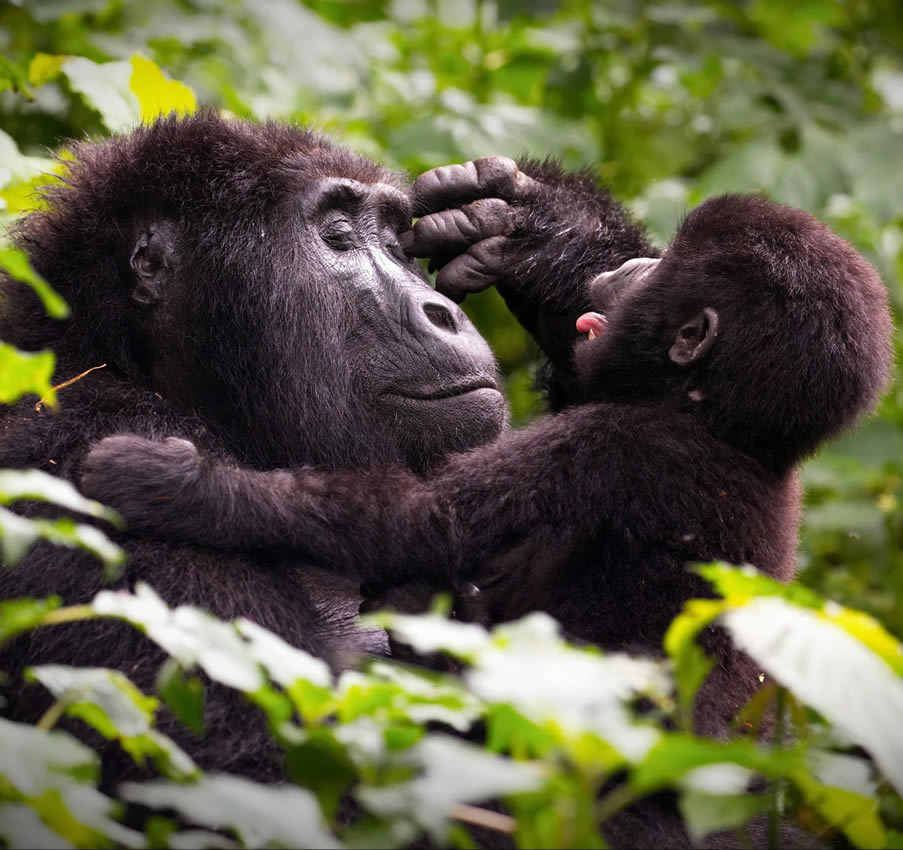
(676, 437)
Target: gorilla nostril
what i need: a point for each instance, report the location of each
(441, 317)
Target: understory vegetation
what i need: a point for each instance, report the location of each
(668, 103)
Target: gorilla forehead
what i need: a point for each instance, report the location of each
(202, 164)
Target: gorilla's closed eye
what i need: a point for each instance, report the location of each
(338, 233)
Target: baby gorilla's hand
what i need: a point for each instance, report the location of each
(153, 485)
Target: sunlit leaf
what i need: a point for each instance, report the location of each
(453, 771)
(18, 534)
(157, 94)
(20, 615)
(111, 704)
(34, 485)
(33, 760)
(828, 669)
(22, 373)
(44, 67)
(262, 815)
(188, 634)
(106, 88)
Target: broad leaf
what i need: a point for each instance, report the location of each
(20, 615)
(109, 702)
(828, 669)
(262, 815)
(22, 373)
(451, 772)
(157, 94)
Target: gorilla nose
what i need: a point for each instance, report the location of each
(441, 316)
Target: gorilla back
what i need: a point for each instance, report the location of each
(244, 287)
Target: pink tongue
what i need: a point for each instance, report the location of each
(591, 322)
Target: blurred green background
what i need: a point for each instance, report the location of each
(668, 102)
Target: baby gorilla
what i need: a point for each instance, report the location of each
(707, 376)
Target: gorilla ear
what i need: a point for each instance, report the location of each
(149, 262)
(695, 338)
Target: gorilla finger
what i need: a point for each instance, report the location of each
(452, 185)
(455, 230)
(477, 269)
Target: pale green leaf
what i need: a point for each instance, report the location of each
(33, 760)
(108, 701)
(35, 485)
(451, 772)
(17, 534)
(262, 815)
(704, 813)
(21, 827)
(190, 635)
(106, 88)
(828, 669)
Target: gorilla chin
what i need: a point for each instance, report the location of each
(448, 419)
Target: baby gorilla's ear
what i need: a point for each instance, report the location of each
(695, 338)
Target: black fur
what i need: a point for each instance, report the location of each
(241, 291)
(781, 333)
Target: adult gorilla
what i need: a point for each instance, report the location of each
(244, 287)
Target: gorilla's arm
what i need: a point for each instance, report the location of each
(537, 233)
(558, 483)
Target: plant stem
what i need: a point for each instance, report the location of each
(50, 717)
(614, 801)
(69, 614)
(777, 786)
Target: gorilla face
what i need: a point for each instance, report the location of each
(304, 331)
(411, 357)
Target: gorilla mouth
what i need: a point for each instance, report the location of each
(447, 391)
(591, 324)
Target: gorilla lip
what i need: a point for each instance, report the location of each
(450, 391)
(592, 324)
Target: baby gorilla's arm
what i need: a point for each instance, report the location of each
(384, 526)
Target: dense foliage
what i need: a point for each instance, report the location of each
(669, 102)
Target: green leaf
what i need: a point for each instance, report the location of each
(854, 814)
(20, 615)
(428, 633)
(830, 670)
(704, 813)
(20, 826)
(22, 373)
(184, 695)
(691, 665)
(44, 67)
(677, 755)
(451, 772)
(188, 634)
(530, 668)
(33, 760)
(262, 815)
(111, 704)
(106, 88)
(18, 266)
(38, 486)
(17, 534)
(13, 76)
(157, 94)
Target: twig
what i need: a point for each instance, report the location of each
(40, 404)
(475, 816)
